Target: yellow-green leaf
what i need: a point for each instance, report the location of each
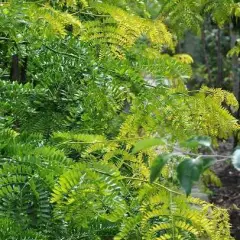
(147, 143)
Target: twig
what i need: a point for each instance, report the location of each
(172, 215)
(141, 180)
(91, 14)
(180, 153)
(104, 141)
(157, 184)
(62, 53)
(11, 40)
(201, 155)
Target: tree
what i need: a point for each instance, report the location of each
(75, 163)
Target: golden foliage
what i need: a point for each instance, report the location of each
(184, 58)
(73, 3)
(177, 113)
(121, 30)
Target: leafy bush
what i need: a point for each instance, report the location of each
(98, 132)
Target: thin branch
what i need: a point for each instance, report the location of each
(179, 153)
(201, 155)
(91, 14)
(11, 40)
(205, 54)
(104, 141)
(172, 215)
(223, 159)
(157, 184)
(219, 59)
(141, 180)
(62, 53)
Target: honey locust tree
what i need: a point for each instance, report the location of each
(88, 90)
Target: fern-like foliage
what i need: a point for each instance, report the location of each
(220, 10)
(154, 212)
(74, 4)
(163, 217)
(102, 190)
(162, 69)
(182, 14)
(210, 178)
(121, 30)
(184, 58)
(27, 175)
(88, 193)
(43, 21)
(12, 230)
(187, 114)
(235, 51)
(115, 32)
(16, 97)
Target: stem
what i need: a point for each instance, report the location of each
(91, 14)
(62, 53)
(140, 138)
(212, 150)
(172, 216)
(141, 180)
(157, 184)
(206, 59)
(104, 141)
(235, 76)
(9, 39)
(199, 155)
(219, 60)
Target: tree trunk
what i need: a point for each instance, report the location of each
(219, 61)
(18, 70)
(235, 75)
(23, 77)
(206, 59)
(15, 68)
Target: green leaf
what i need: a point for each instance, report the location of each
(157, 166)
(236, 159)
(198, 141)
(190, 170)
(147, 143)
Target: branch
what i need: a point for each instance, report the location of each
(201, 155)
(104, 141)
(141, 180)
(157, 184)
(9, 39)
(178, 153)
(91, 14)
(62, 53)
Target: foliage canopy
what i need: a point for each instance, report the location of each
(102, 77)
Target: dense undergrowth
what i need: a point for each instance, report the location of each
(99, 136)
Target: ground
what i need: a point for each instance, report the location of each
(228, 196)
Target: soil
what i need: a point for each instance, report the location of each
(228, 196)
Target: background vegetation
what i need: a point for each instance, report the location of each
(104, 124)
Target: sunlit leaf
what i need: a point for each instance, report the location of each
(147, 143)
